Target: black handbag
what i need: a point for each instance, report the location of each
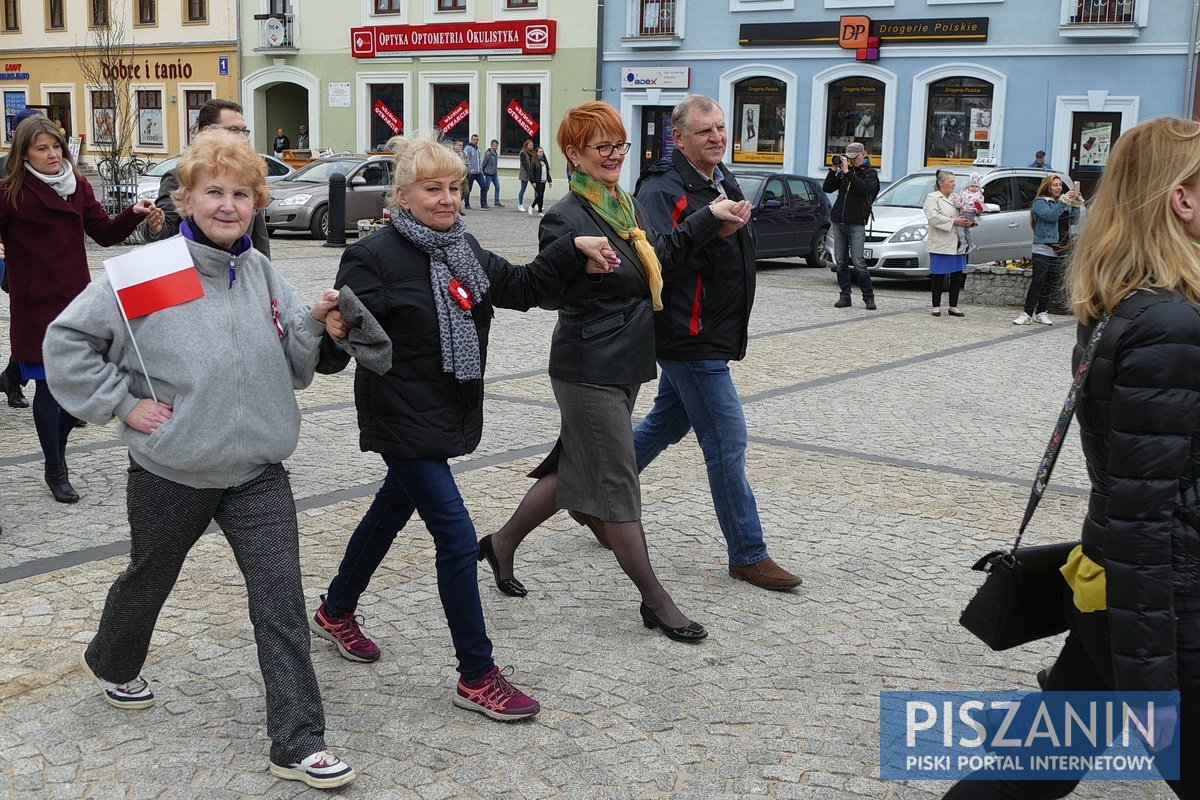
(1022, 599)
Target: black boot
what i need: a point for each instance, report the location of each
(60, 486)
(16, 397)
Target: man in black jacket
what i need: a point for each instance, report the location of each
(856, 184)
(703, 324)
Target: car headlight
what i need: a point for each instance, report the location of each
(148, 194)
(295, 200)
(911, 233)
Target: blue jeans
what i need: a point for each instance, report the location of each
(701, 395)
(427, 487)
(521, 194)
(848, 242)
(493, 181)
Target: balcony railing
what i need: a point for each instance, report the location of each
(1110, 12)
(276, 32)
(657, 18)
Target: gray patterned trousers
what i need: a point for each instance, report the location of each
(258, 519)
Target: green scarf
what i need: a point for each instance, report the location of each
(619, 214)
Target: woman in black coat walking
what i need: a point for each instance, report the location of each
(1135, 580)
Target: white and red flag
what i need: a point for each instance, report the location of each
(154, 277)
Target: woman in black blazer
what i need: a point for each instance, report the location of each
(432, 288)
(601, 353)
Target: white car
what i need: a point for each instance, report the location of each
(895, 240)
(147, 184)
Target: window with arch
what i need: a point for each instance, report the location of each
(958, 128)
(759, 109)
(855, 114)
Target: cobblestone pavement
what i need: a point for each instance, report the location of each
(888, 450)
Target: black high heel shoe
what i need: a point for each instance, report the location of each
(510, 586)
(60, 485)
(693, 633)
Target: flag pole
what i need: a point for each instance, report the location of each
(137, 350)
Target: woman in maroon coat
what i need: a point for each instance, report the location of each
(45, 209)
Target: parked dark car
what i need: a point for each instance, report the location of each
(791, 215)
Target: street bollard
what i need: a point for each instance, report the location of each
(336, 211)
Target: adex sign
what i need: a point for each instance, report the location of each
(525, 37)
(656, 77)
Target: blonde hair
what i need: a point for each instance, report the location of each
(214, 151)
(1132, 238)
(23, 138)
(1043, 189)
(422, 155)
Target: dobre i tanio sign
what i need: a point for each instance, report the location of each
(526, 37)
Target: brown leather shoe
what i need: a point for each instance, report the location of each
(766, 574)
(596, 526)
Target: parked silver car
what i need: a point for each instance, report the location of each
(301, 200)
(147, 184)
(895, 240)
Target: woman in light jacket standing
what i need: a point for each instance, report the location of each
(944, 258)
(528, 171)
(1049, 206)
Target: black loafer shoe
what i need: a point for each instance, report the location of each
(691, 633)
(510, 586)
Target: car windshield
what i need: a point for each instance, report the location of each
(320, 171)
(750, 185)
(911, 190)
(163, 167)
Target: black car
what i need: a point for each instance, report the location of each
(791, 215)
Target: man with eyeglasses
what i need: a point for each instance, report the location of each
(220, 114)
(703, 325)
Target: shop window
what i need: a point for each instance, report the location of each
(54, 15)
(387, 109)
(197, 10)
(147, 12)
(12, 15)
(514, 4)
(520, 116)
(14, 103)
(451, 5)
(452, 110)
(194, 99)
(958, 128)
(104, 117)
(855, 114)
(150, 118)
(389, 6)
(98, 14)
(759, 111)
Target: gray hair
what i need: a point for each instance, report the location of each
(683, 109)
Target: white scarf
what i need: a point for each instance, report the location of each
(63, 183)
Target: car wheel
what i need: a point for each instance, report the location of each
(319, 227)
(819, 255)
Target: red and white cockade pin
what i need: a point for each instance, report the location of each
(460, 295)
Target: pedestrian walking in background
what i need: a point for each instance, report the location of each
(211, 449)
(1134, 620)
(945, 260)
(1050, 205)
(475, 172)
(433, 289)
(46, 209)
(856, 183)
(541, 178)
(526, 158)
(702, 326)
(491, 161)
(601, 353)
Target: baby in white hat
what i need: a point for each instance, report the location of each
(969, 203)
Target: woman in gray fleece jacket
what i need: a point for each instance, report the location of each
(224, 368)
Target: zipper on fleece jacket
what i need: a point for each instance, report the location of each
(238, 381)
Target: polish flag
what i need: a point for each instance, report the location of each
(154, 277)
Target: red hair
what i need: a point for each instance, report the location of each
(583, 122)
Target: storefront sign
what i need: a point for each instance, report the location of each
(656, 77)
(790, 34)
(456, 115)
(525, 37)
(12, 72)
(14, 103)
(388, 116)
(522, 118)
(145, 69)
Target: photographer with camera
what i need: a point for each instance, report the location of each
(856, 184)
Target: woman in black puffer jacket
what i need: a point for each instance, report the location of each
(1135, 582)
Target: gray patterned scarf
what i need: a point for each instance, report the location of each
(450, 258)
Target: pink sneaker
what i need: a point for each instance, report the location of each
(494, 696)
(344, 632)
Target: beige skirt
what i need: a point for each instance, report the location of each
(594, 456)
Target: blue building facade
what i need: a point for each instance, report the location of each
(953, 81)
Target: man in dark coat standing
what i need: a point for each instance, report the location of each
(856, 183)
(703, 324)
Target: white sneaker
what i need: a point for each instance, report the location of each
(321, 770)
(1043, 319)
(131, 694)
(1024, 319)
(531, 211)
(520, 207)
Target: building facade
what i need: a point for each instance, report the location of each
(357, 72)
(99, 67)
(919, 82)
